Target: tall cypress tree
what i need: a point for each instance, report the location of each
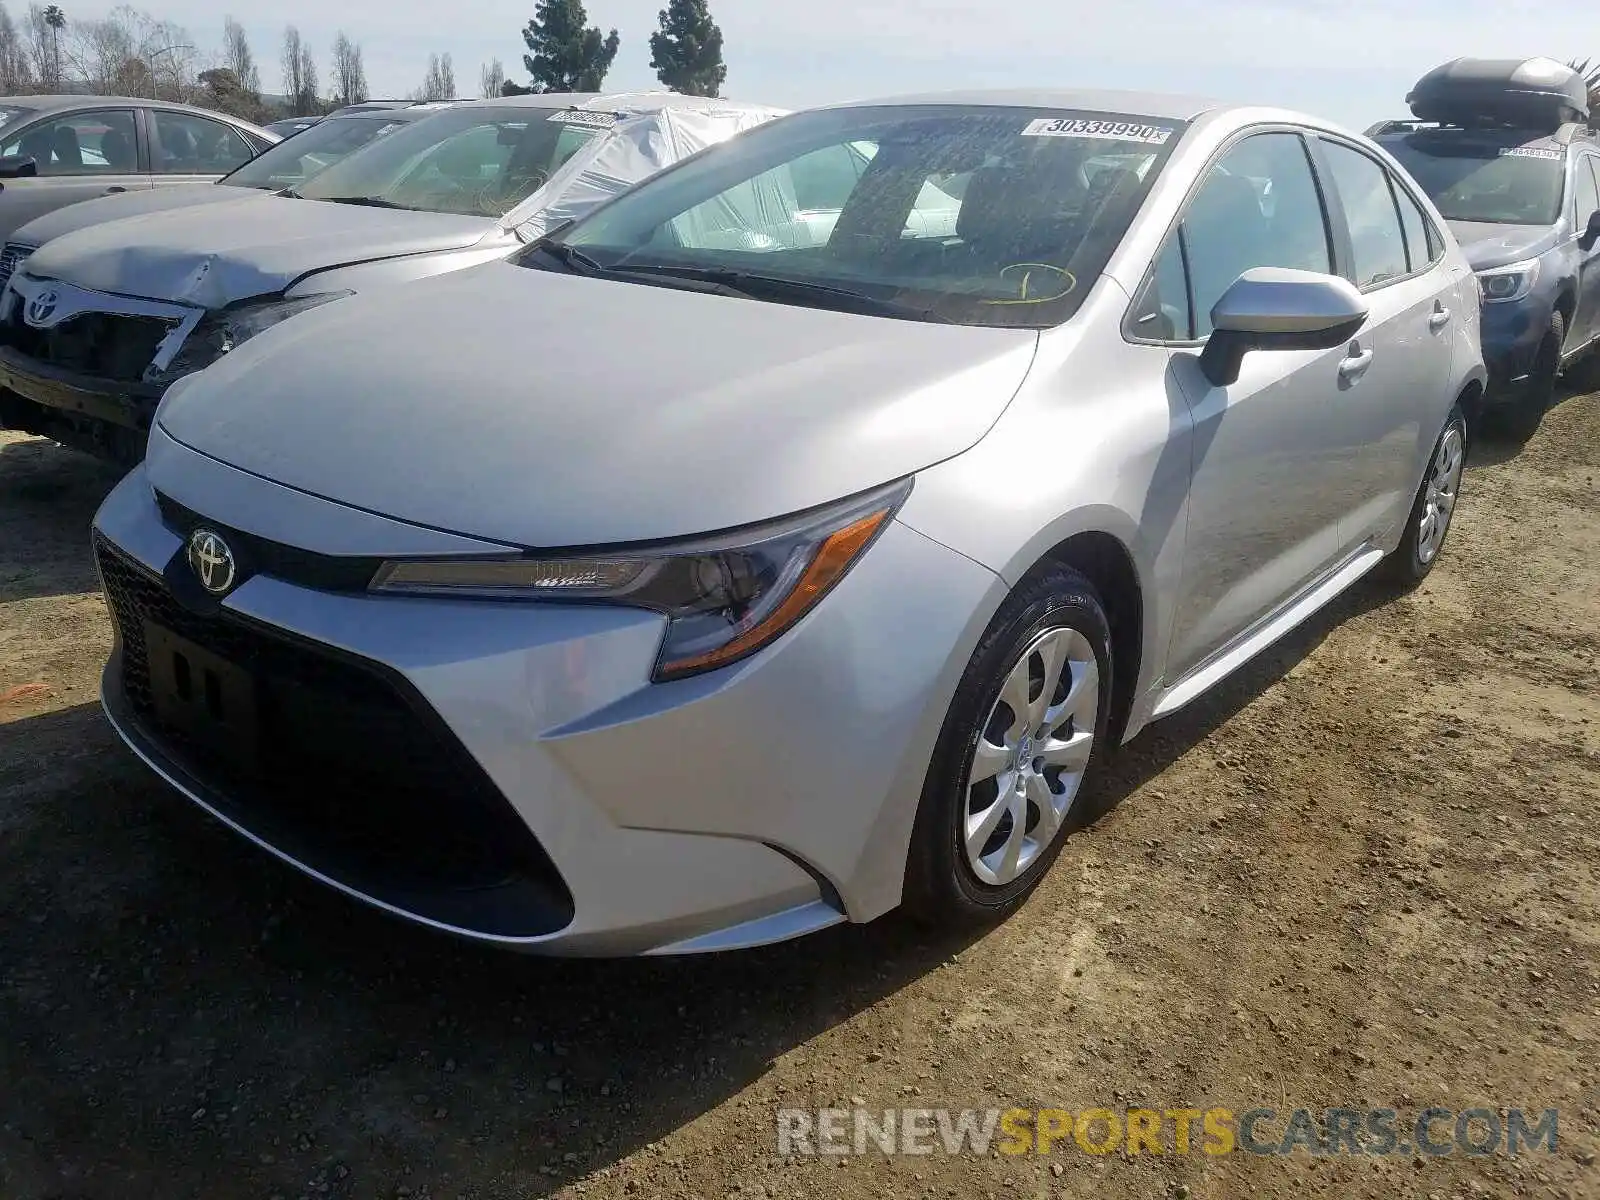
(687, 51)
(565, 54)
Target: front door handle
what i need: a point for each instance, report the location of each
(114, 189)
(1354, 363)
(1441, 314)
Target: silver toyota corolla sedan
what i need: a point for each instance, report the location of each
(790, 538)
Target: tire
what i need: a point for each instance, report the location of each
(1438, 494)
(1516, 422)
(1055, 611)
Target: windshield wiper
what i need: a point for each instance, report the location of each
(365, 201)
(755, 285)
(569, 256)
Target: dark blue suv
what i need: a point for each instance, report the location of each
(1524, 203)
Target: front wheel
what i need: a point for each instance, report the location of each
(1021, 734)
(1433, 508)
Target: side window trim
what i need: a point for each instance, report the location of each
(1347, 270)
(1430, 234)
(1176, 230)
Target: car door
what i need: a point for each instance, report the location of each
(78, 156)
(1586, 202)
(1263, 502)
(1392, 386)
(185, 148)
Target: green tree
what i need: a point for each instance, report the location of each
(565, 54)
(687, 51)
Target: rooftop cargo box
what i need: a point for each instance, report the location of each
(1527, 93)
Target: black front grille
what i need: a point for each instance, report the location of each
(103, 345)
(354, 776)
(262, 556)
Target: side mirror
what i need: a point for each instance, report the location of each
(18, 166)
(1588, 237)
(1275, 308)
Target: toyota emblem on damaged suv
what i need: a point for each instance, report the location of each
(41, 307)
(211, 561)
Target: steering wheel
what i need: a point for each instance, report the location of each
(1059, 278)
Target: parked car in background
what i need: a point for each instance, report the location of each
(1506, 153)
(96, 324)
(653, 592)
(291, 126)
(58, 150)
(282, 165)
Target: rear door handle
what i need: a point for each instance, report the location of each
(1438, 319)
(114, 189)
(1355, 363)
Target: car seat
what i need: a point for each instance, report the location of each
(116, 150)
(65, 144)
(1225, 234)
(39, 146)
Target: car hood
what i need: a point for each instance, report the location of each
(1490, 245)
(223, 253)
(553, 410)
(128, 204)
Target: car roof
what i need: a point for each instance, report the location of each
(1171, 107)
(62, 103)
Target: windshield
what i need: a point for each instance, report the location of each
(1474, 181)
(295, 160)
(473, 160)
(979, 215)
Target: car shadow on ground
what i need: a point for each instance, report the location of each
(48, 497)
(178, 1005)
(1489, 451)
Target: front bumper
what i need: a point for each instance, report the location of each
(125, 405)
(745, 806)
(1511, 336)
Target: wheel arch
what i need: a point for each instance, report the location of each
(1109, 565)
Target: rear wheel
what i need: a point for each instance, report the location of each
(1433, 508)
(1519, 419)
(1022, 731)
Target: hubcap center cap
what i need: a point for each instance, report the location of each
(1024, 751)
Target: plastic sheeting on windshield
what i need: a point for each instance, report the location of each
(640, 143)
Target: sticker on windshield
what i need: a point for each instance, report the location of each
(1528, 152)
(594, 120)
(1109, 131)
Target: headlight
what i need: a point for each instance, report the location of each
(1511, 282)
(220, 332)
(239, 325)
(724, 598)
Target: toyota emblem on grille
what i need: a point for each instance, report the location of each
(211, 561)
(42, 307)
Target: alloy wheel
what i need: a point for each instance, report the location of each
(1029, 762)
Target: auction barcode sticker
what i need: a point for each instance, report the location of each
(578, 116)
(1110, 131)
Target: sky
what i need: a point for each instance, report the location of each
(1352, 62)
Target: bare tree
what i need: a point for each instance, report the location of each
(440, 81)
(16, 74)
(238, 58)
(349, 76)
(101, 55)
(491, 78)
(299, 74)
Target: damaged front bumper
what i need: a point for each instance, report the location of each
(88, 368)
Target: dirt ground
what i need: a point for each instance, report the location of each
(1362, 875)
